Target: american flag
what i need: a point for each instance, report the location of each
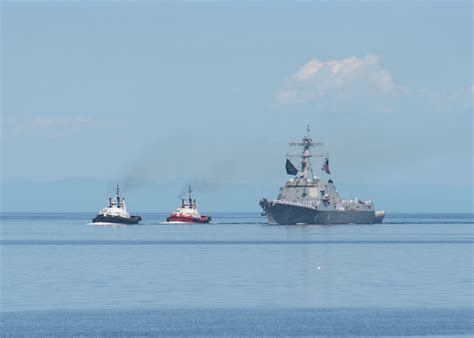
(325, 167)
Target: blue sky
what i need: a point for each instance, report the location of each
(156, 95)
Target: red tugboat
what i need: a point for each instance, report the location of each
(188, 212)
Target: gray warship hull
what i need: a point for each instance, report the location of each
(292, 214)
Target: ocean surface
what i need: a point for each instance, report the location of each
(62, 276)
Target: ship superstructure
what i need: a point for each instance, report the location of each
(188, 212)
(308, 199)
(116, 212)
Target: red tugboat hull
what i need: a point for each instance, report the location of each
(188, 219)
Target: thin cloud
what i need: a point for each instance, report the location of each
(51, 126)
(458, 100)
(47, 122)
(345, 78)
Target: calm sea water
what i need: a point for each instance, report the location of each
(410, 276)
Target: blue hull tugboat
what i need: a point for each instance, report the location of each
(116, 212)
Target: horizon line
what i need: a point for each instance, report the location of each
(237, 212)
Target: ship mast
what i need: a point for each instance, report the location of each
(118, 196)
(306, 171)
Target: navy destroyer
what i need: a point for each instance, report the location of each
(116, 212)
(308, 199)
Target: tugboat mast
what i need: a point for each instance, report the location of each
(306, 170)
(118, 194)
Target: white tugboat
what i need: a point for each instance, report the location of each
(116, 212)
(188, 213)
(307, 199)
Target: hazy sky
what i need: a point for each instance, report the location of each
(169, 93)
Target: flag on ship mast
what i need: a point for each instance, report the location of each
(290, 168)
(325, 167)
